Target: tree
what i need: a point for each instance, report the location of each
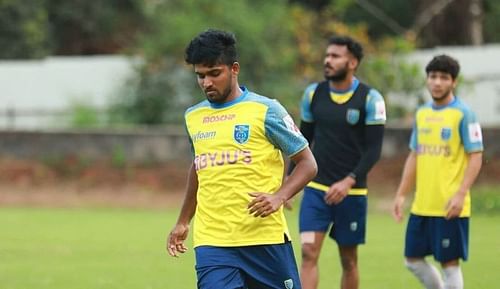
(81, 27)
(265, 43)
(449, 22)
(23, 29)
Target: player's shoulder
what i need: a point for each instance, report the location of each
(311, 87)
(196, 107)
(425, 106)
(374, 94)
(272, 104)
(461, 105)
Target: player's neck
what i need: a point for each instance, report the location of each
(343, 84)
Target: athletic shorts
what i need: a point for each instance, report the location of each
(445, 239)
(347, 219)
(248, 267)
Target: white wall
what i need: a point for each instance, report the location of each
(479, 65)
(55, 83)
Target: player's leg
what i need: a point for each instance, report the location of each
(314, 220)
(449, 246)
(425, 272)
(215, 269)
(453, 278)
(349, 263)
(349, 230)
(418, 236)
(311, 243)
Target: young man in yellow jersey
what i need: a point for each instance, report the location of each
(445, 159)
(235, 190)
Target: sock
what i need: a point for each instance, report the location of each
(453, 278)
(426, 273)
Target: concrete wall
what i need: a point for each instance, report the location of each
(160, 145)
(139, 146)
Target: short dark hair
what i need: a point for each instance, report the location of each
(353, 46)
(444, 63)
(212, 47)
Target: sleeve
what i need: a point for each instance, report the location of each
(413, 138)
(189, 136)
(282, 131)
(374, 135)
(305, 104)
(470, 132)
(375, 108)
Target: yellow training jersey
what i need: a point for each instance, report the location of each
(442, 137)
(237, 149)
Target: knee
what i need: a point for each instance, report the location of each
(415, 265)
(349, 264)
(310, 254)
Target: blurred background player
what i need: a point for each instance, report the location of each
(343, 119)
(445, 159)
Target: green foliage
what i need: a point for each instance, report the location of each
(84, 115)
(118, 157)
(492, 14)
(163, 88)
(94, 27)
(155, 94)
(23, 29)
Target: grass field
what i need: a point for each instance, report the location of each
(119, 248)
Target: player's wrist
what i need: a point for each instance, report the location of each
(351, 176)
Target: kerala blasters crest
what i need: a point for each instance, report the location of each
(288, 284)
(352, 116)
(445, 133)
(241, 133)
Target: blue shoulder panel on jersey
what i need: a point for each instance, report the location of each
(279, 126)
(470, 130)
(305, 104)
(375, 108)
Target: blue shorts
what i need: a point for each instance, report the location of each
(445, 239)
(248, 267)
(347, 219)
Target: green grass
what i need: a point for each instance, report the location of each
(118, 248)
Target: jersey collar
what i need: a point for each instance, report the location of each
(244, 93)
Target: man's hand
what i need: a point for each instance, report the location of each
(397, 208)
(455, 206)
(338, 191)
(176, 238)
(264, 204)
(289, 204)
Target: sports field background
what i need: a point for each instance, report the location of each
(94, 248)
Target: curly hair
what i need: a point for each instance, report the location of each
(212, 47)
(444, 63)
(352, 45)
